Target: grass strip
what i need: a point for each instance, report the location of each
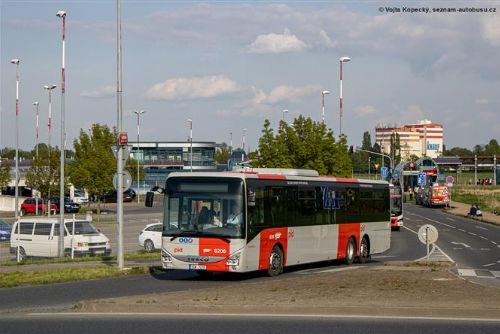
(19, 278)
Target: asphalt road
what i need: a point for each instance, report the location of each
(242, 324)
(473, 245)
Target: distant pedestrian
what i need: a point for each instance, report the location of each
(411, 194)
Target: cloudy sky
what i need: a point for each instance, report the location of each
(228, 65)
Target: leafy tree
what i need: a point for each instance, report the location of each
(131, 167)
(44, 173)
(223, 153)
(94, 164)
(305, 144)
(4, 173)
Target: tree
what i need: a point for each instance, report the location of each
(44, 172)
(305, 144)
(94, 164)
(4, 173)
(223, 153)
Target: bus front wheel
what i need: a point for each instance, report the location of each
(275, 262)
(350, 252)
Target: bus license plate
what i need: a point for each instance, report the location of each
(197, 267)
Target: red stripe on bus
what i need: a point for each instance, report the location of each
(214, 247)
(271, 177)
(340, 179)
(268, 239)
(345, 232)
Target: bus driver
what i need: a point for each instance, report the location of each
(236, 216)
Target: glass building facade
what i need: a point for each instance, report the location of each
(161, 158)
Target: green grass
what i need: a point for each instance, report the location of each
(140, 255)
(12, 279)
(487, 197)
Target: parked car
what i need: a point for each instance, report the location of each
(69, 205)
(39, 237)
(31, 204)
(5, 229)
(128, 196)
(80, 197)
(150, 237)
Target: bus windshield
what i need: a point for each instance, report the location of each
(204, 207)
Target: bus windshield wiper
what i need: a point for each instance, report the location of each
(186, 232)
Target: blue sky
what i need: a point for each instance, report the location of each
(230, 65)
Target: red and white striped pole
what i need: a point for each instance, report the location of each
(342, 60)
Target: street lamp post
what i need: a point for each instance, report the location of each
(243, 144)
(283, 112)
(382, 155)
(36, 139)
(369, 167)
(62, 14)
(342, 60)
(190, 121)
(323, 93)
(16, 202)
(49, 88)
(230, 143)
(138, 113)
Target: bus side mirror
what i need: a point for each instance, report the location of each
(150, 199)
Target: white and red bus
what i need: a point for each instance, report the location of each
(396, 207)
(266, 219)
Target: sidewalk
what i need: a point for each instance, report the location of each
(462, 209)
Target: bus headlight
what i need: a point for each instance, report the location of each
(165, 257)
(233, 260)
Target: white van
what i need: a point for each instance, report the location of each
(40, 236)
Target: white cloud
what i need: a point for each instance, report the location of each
(326, 40)
(192, 88)
(277, 43)
(491, 30)
(365, 111)
(106, 91)
(291, 94)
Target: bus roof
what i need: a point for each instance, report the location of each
(283, 174)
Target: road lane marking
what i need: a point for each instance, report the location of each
(472, 233)
(489, 264)
(483, 238)
(460, 243)
(482, 228)
(493, 242)
(467, 272)
(450, 219)
(462, 230)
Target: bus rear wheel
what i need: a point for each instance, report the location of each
(364, 251)
(275, 262)
(350, 252)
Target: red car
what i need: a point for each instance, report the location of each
(30, 206)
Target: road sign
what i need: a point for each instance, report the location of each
(427, 234)
(421, 179)
(127, 180)
(450, 179)
(384, 171)
(126, 152)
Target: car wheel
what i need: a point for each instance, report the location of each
(275, 262)
(22, 254)
(350, 252)
(364, 251)
(149, 246)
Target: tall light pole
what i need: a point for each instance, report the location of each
(49, 88)
(119, 118)
(36, 139)
(283, 112)
(16, 202)
(62, 14)
(243, 144)
(190, 121)
(342, 60)
(138, 113)
(323, 93)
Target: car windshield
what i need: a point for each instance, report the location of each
(81, 227)
(4, 224)
(205, 207)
